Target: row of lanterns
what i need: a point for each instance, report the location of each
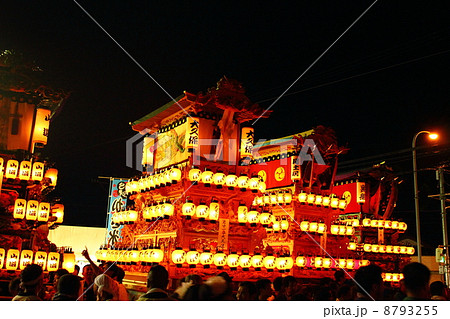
(392, 277)
(40, 211)
(329, 263)
(382, 249)
(274, 198)
(219, 179)
(202, 211)
(166, 178)
(131, 256)
(377, 223)
(26, 170)
(319, 200)
(125, 217)
(15, 259)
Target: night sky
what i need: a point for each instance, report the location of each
(382, 82)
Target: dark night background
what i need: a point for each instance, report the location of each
(382, 82)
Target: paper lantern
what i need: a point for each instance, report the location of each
(41, 125)
(402, 226)
(231, 181)
(214, 211)
(132, 216)
(389, 249)
(69, 261)
(349, 230)
(388, 224)
(396, 249)
(284, 225)
(326, 262)
(156, 255)
(382, 249)
(32, 209)
(43, 212)
(253, 217)
(192, 258)
(175, 175)
(326, 201)
(207, 177)
(280, 263)
(245, 261)
(12, 168)
(12, 259)
(366, 222)
(220, 259)
(269, 262)
(242, 214)
(19, 208)
(146, 214)
(192, 133)
(318, 200)
(313, 227)
(202, 211)
(2, 256)
(257, 261)
(302, 197)
(304, 225)
(276, 226)
(242, 182)
(178, 257)
(233, 260)
(410, 250)
(25, 170)
(142, 185)
(52, 175)
(188, 209)
(363, 263)
(134, 256)
(350, 264)
(351, 246)
(247, 140)
(254, 184)
(58, 212)
(300, 261)
(374, 223)
(311, 199)
(280, 198)
(287, 196)
(53, 261)
(342, 230)
(219, 179)
(318, 262)
(403, 249)
(375, 248)
(342, 262)
(266, 199)
(167, 209)
(321, 228)
(262, 187)
(334, 202)
(265, 219)
(395, 224)
(26, 258)
(194, 174)
(206, 259)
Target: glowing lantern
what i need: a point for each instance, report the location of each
(280, 263)
(233, 260)
(58, 212)
(351, 246)
(156, 255)
(289, 262)
(342, 262)
(375, 248)
(342, 229)
(69, 261)
(284, 225)
(188, 209)
(257, 261)
(318, 262)
(145, 214)
(382, 249)
(262, 187)
(363, 263)
(206, 259)
(269, 262)
(388, 224)
(192, 133)
(247, 140)
(253, 217)
(194, 174)
(403, 249)
(396, 249)
(280, 198)
(243, 182)
(389, 249)
(242, 214)
(321, 228)
(334, 203)
(220, 259)
(207, 177)
(276, 226)
(326, 201)
(349, 230)
(12, 167)
(141, 184)
(402, 226)
(192, 258)
(132, 216)
(366, 222)
(245, 261)
(2, 257)
(202, 211)
(313, 227)
(273, 198)
(302, 197)
(12, 259)
(26, 258)
(32, 209)
(265, 219)
(350, 264)
(53, 261)
(219, 179)
(214, 210)
(259, 201)
(19, 208)
(167, 209)
(342, 204)
(395, 224)
(231, 181)
(410, 250)
(304, 225)
(311, 199)
(254, 184)
(300, 261)
(326, 262)
(175, 175)
(134, 256)
(380, 223)
(25, 170)
(334, 229)
(287, 197)
(367, 248)
(318, 200)
(41, 125)
(374, 223)
(178, 257)
(158, 211)
(266, 199)
(355, 223)
(43, 212)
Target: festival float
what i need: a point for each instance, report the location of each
(26, 179)
(211, 199)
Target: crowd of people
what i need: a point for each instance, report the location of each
(104, 282)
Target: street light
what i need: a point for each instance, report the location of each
(432, 136)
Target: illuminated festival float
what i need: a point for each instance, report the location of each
(210, 199)
(26, 179)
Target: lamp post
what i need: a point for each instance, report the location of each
(432, 136)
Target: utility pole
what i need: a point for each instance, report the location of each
(442, 197)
